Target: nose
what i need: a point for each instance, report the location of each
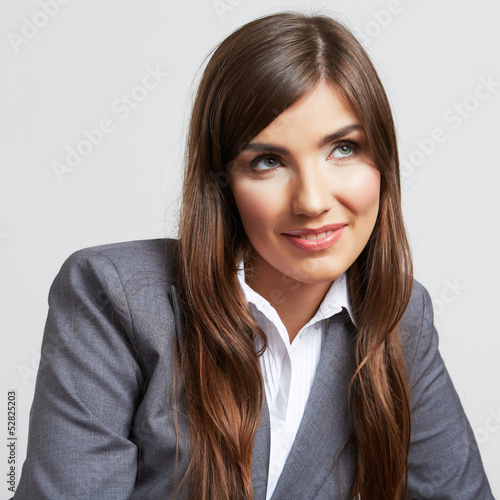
(312, 193)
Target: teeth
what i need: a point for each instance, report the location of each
(313, 237)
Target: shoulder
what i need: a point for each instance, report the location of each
(416, 328)
(127, 283)
(129, 267)
(154, 257)
(418, 308)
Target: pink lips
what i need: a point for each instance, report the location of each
(326, 241)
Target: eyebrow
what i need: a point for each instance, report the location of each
(341, 132)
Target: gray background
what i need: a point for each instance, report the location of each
(68, 74)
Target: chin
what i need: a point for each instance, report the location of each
(312, 272)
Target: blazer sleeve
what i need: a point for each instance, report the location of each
(444, 460)
(87, 389)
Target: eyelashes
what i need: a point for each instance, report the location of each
(347, 150)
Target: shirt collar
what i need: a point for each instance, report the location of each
(336, 298)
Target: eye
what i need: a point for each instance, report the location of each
(264, 163)
(343, 150)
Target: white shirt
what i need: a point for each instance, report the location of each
(288, 369)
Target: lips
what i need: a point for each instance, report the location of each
(320, 232)
(314, 239)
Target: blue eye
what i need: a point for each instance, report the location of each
(343, 151)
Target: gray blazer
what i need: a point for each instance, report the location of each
(102, 421)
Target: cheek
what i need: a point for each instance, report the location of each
(362, 191)
(257, 208)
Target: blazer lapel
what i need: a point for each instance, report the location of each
(324, 426)
(260, 455)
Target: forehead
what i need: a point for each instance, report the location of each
(321, 108)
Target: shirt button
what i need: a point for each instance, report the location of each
(317, 325)
(275, 425)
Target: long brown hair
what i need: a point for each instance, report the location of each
(252, 76)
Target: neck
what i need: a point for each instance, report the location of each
(296, 302)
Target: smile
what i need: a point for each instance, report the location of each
(315, 240)
(315, 237)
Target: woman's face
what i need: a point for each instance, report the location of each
(307, 191)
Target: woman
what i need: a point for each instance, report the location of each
(280, 348)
